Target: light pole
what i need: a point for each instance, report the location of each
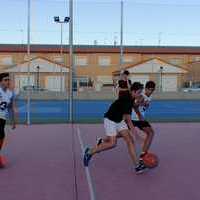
(161, 78)
(121, 35)
(61, 22)
(28, 54)
(38, 77)
(71, 59)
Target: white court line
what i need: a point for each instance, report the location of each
(87, 171)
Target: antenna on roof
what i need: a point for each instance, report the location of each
(159, 38)
(115, 40)
(95, 42)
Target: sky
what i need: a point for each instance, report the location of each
(146, 22)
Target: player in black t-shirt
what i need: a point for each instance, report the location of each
(117, 121)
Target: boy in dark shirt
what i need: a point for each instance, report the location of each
(117, 121)
(124, 84)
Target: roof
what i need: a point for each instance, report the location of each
(38, 57)
(43, 58)
(142, 62)
(48, 48)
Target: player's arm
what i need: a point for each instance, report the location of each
(129, 83)
(138, 113)
(127, 118)
(147, 104)
(115, 88)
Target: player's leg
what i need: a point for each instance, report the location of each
(147, 129)
(100, 140)
(105, 145)
(128, 138)
(2, 132)
(109, 143)
(148, 139)
(125, 134)
(2, 137)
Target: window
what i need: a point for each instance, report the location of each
(105, 80)
(6, 60)
(128, 59)
(196, 58)
(186, 84)
(58, 59)
(176, 61)
(104, 60)
(81, 61)
(84, 81)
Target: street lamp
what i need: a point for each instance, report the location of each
(38, 77)
(161, 78)
(61, 22)
(121, 35)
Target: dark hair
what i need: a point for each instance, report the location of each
(150, 84)
(137, 86)
(126, 72)
(3, 75)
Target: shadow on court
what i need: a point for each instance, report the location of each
(45, 163)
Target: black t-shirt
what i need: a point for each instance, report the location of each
(118, 108)
(124, 84)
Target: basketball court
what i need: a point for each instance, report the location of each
(64, 65)
(45, 162)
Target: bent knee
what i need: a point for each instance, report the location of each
(149, 132)
(112, 142)
(128, 138)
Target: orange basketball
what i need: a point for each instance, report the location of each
(150, 160)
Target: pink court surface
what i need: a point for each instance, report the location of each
(45, 163)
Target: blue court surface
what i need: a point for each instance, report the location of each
(56, 111)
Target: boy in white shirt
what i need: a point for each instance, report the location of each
(7, 106)
(138, 117)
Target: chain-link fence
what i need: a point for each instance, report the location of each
(152, 50)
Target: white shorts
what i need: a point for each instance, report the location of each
(112, 128)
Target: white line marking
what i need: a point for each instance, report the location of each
(87, 171)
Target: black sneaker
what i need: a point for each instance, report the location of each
(99, 141)
(87, 157)
(140, 168)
